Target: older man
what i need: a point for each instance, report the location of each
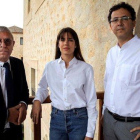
(122, 78)
(13, 89)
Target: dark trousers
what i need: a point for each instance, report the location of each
(117, 130)
(14, 133)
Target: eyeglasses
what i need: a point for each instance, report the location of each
(7, 41)
(123, 19)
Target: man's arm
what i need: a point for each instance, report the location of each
(22, 113)
(10, 114)
(24, 95)
(13, 114)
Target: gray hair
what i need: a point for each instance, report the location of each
(5, 29)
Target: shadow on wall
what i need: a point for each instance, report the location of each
(137, 28)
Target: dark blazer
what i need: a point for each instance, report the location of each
(21, 92)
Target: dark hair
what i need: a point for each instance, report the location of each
(124, 5)
(77, 52)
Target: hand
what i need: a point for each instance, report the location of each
(13, 114)
(135, 129)
(36, 112)
(87, 138)
(22, 113)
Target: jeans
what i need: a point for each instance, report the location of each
(69, 124)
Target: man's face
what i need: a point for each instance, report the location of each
(122, 28)
(6, 46)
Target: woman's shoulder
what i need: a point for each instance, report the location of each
(85, 64)
(50, 63)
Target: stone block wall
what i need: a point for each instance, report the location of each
(42, 24)
(18, 49)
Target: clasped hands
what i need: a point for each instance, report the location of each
(17, 114)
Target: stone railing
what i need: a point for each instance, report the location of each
(37, 127)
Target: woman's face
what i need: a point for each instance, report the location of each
(67, 45)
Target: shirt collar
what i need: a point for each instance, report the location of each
(128, 42)
(2, 63)
(60, 60)
(73, 61)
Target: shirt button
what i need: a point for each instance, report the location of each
(65, 99)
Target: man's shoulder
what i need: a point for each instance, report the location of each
(137, 39)
(14, 59)
(112, 49)
(15, 62)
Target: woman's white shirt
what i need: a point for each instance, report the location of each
(71, 87)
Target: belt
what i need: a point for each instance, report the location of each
(123, 119)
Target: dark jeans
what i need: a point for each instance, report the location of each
(14, 133)
(68, 125)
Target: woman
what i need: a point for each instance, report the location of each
(73, 95)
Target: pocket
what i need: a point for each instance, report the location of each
(53, 113)
(136, 75)
(126, 73)
(106, 117)
(81, 113)
(131, 125)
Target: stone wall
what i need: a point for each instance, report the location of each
(18, 49)
(42, 24)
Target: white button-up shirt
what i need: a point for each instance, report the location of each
(71, 87)
(2, 83)
(122, 79)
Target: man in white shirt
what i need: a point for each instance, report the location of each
(121, 111)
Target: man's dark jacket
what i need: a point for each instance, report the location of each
(21, 92)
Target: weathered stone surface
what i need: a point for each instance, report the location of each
(18, 49)
(88, 18)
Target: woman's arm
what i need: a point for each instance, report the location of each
(91, 99)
